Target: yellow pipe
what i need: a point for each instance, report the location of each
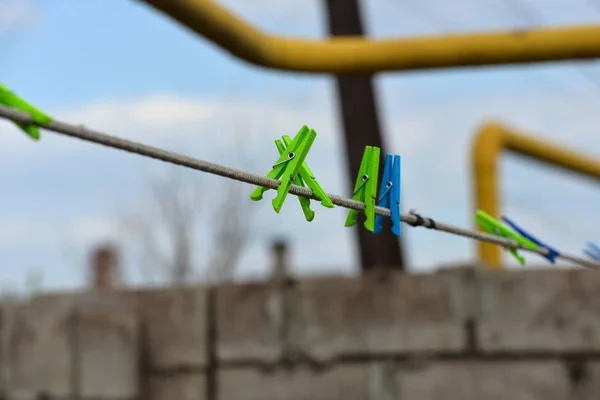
(351, 55)
(488, 144)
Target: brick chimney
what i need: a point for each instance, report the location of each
(280, 267)
(104, 267)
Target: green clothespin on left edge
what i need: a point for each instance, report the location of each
(495, 227)
(305, 176)
(9, 99)
(287, 166)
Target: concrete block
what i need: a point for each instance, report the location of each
(402, 313)
(180, 386)
(106, 359)
(539, 311)
(585, 379)
(490, 380)
(298, 383)
(175, 327)
(250, 319)
(73, 344)
(5, 349)
(427, 380)
(40, 347)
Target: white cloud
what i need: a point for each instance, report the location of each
(162, 114)
(16, 230)
(15, 14)
(209, 126)
(87, 230)
(79, 231)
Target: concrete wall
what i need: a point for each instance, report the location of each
(461, 334)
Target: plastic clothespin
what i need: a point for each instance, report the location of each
(365, 189)
(552, 253)
(495, 227)
(389, 194)
(287, 166)
(592, 251)
(305, 176)
(10, 99)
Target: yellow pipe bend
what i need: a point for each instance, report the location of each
(489, 142)
(353, 55)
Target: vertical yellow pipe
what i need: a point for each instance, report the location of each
(487, 146)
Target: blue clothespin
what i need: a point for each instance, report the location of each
(592, 251)
(389, 194)
(552, 253)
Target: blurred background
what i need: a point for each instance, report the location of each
(75, 215)
(124, 68)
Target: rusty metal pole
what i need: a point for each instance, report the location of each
(361, 128)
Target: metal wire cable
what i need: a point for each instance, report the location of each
(525, 11)
(534, 16)
(83, 133)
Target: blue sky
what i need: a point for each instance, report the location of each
(121, 67)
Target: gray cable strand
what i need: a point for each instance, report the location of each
(83, 133)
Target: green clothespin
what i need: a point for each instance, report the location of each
(306, 178)
(287, 166)
(495, 227)
(365, 189)
(10, 99)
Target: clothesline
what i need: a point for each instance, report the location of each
(83, 133)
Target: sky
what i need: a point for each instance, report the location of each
(122, 68)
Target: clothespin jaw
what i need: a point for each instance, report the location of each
(552, 253)
(389, 194)
(9, 99)
(592, 251)
(311, 181)
(304, 202)
(495, 227)
(365, 189)
(287, 166)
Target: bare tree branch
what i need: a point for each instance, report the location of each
(154, 264)
(231, 222)
(181, 211)
(231, 233)
(178, 212)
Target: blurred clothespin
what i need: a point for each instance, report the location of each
(9, 99)
(287, 166)
(495, 227)
(365, 189)
(592, 251)
(305, 176)
(552, 253)
(389, 194)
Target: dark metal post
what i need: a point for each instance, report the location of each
(361, 128)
